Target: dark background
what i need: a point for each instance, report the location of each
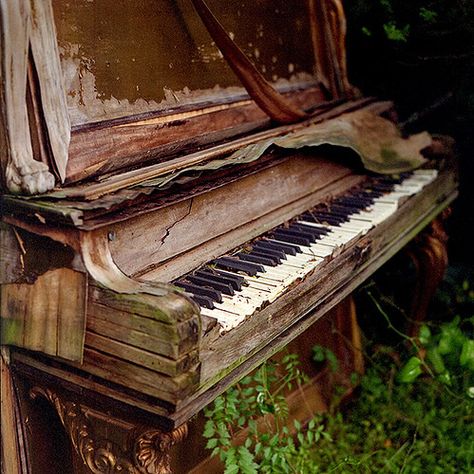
(420, 54)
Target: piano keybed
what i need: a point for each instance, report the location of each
(232, 287)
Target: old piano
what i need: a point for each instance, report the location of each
(187, 187)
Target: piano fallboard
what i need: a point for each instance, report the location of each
(157, 353)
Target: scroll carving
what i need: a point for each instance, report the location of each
(148, 448)
(151, 449)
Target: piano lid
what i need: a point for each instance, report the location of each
(113, 85)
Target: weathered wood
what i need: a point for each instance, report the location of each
(144, 358)
(217, 246)
(47, 315)
(117, 370)
(133, 338)
(10, 449)
(233, 354)
(171, 331)
(22, 173)
(99, 150)
(187, 224)
(44, 47)
(11, 252)
(429, 254)
(130, 178)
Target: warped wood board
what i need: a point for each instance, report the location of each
(47, 315)
(96, 150)
(141, 243)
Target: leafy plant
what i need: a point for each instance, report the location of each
(257, 404)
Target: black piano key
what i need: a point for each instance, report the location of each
(287, 248)
(239, 265)
(293, 236)
(236, 281)
(203, 301)
(316, 231)
(321, 220)
(200, 290)
(278, 255)
(225, 288)
(249, 257)
(350, 210)
(329, 215)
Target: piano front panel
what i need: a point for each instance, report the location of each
(164, 244)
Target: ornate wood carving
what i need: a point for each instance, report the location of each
(430, 257)
(147, 451)
(151, 449)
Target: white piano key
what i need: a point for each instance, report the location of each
(227, 321)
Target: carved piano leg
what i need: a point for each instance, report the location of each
(430, 257)
(143, 450)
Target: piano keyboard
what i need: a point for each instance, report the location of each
(234, 286)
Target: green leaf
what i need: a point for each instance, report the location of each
(209, 429)
(424, 335)
(466, 359)
(436, 360)
(410, 371)
(212, 443)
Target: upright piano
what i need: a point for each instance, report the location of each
(187, 187)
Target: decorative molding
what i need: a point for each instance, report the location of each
(148, 448)
(151, 449)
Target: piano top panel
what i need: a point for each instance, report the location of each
(121, 58)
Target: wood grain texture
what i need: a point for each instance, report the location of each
(171, 231)
(228, 357)
(10, 450)
(96, 151)
(47, 315)
(44, 47)
(130, 178)
(22, 173)
(217, 246)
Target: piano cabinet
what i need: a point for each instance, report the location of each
(151, 362)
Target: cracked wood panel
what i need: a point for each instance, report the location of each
(215, 247)
(142, 242)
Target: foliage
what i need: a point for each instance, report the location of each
(413, 417)
(269, 445)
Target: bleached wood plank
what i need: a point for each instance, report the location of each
(22, 173)
(45, 51)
